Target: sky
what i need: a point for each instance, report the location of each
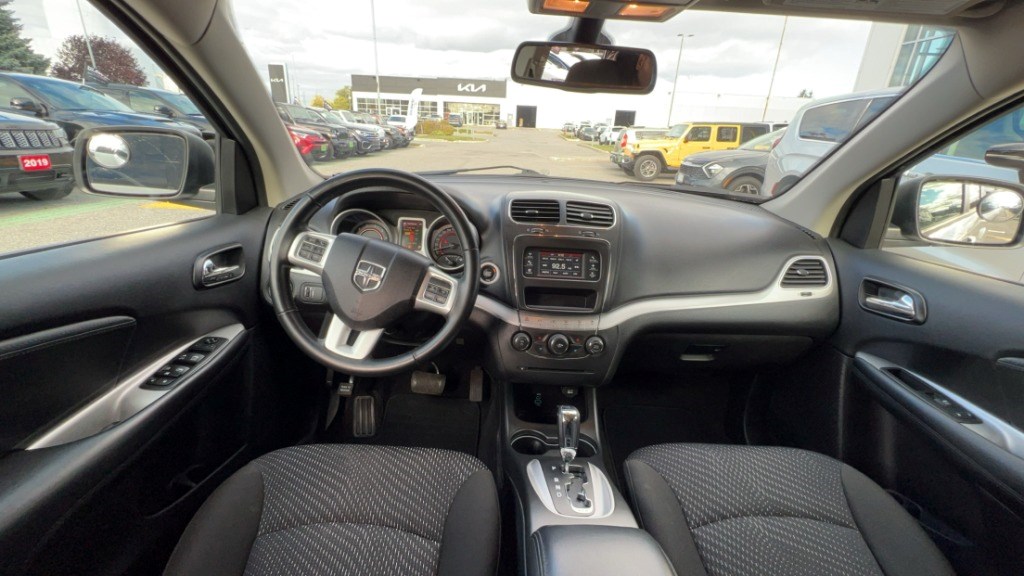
(728, 54)
(324, 43)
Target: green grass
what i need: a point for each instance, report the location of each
(601, 147)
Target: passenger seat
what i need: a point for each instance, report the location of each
(752, 511)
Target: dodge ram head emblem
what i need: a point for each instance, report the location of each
(368, 276)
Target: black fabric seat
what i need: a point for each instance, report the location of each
(347, 510)
(752, 511)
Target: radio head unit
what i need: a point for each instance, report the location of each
(561, 264)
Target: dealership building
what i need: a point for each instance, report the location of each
(479, 101)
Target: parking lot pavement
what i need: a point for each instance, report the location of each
(542, 150)
(27, 224)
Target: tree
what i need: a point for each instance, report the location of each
(342, 99)
(16, 53)
(318, 101)
(806, 93)
(113, 60)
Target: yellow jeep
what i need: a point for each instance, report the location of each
(647, 159)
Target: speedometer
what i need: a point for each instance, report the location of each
(374, 230)
(446, 248)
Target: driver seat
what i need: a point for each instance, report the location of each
(346, 510)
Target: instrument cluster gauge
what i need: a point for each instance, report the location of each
(445, 246)
(362, 223)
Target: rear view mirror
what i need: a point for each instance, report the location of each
(585, 67)
(142, 162)
(969, 211)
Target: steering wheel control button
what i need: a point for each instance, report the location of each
(313, 249)
(437, 291)
(595, 345)
(521, 341)
(489, 273)
(559, 344)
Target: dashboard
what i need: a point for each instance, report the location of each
(573, 273)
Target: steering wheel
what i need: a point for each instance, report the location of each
(370, 284)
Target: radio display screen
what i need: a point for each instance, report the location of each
(560, 264)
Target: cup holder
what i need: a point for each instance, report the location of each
(534, 444)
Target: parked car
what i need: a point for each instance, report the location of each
(569, 128)
(336, 134)
(647, 160)
(588, 133)
(400, 135)
(344, 147)
(740, 170)
(361, 124)
(501, 125)
(455, 120)
(580, 127)
(609, 134)
(74, 107)
(35, 158)
(816, 129)
(155, 101)
(313, 146)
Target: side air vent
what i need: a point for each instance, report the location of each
(599, 215)
(807, 272)
(291, 203)
(535, 211)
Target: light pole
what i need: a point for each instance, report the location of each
(376, 62)
(679, 60)
(775, 67)
(88, 43)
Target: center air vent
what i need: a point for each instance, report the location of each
(806, 272)
(535, 211)
(600, 215)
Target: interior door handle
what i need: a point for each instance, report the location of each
(902, 306)
(218, 266)
(892, 301)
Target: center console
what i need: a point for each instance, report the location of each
(571, 517)
(562, 254)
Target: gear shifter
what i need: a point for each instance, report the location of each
(568, 434)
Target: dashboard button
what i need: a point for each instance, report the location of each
(595, 345)
(558, 344)
(521, 341)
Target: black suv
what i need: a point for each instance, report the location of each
(155, 101)
(35, 158)
(73, 107)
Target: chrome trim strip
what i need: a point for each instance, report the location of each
(126, 399)
(600, 489)
(774, 294)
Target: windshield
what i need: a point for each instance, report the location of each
(70, 96)
(181, 102)
(439, 72)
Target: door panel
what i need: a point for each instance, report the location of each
(935, 405)
(96, 469)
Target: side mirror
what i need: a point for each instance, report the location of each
(164, 110)
(142, 162)
(967, 211)
(1007, 156)
(25, 105)
(588, 68)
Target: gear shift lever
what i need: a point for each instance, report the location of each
(568, 434)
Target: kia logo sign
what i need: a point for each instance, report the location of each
(472, 88)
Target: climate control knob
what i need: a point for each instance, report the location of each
(594, 345)
(558, 344)
(521, 341)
